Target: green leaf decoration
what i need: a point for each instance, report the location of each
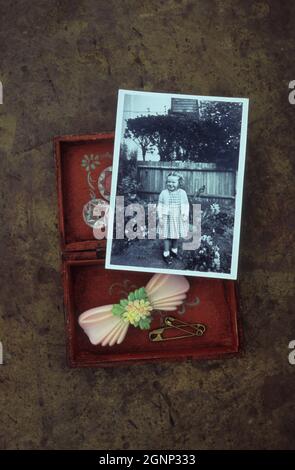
(136, 295)
(124, 302)
(142, 293)
(144, 323)
(92, 166)
(131, 296)
(117, 310)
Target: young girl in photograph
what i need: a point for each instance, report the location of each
(173, 212)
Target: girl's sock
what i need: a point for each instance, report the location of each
(166, 253)
(174, 250)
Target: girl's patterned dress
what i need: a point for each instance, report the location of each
(173, 224)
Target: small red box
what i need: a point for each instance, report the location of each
(88, 284)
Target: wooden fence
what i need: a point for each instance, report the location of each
(217, 183)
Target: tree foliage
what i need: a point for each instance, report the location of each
(139, 130)
(215, 137)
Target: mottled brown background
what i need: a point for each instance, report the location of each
(61, 64)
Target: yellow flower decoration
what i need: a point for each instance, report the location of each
(136, 309)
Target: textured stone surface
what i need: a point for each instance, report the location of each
(61, 65)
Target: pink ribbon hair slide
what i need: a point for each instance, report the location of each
(108, 325)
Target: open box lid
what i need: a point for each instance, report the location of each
(83, 168)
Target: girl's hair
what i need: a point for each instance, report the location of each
(179, 176)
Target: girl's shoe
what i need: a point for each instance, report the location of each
(174, 255)
(167, 259)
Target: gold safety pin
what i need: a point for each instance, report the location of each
(198, 329)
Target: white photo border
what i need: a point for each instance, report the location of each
(238, 198)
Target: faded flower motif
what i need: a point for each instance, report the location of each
(89, 162)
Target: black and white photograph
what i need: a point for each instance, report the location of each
(177, 184)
